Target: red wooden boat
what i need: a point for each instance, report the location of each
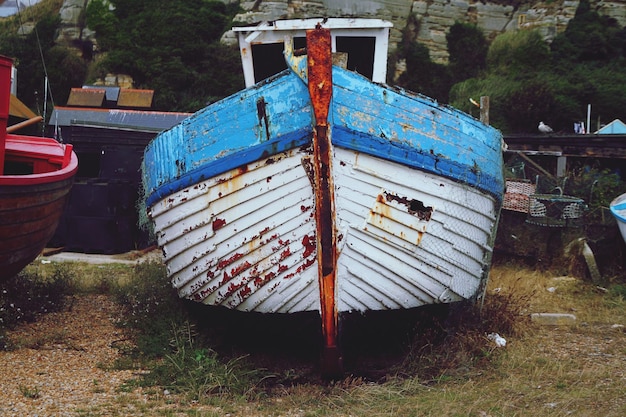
(36, 175)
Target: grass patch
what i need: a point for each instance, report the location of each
(29, 392)
(165, 339)
(31, 293)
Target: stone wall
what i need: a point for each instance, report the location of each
(433, 18)
(430, 19)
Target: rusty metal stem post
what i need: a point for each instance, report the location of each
(319, 62)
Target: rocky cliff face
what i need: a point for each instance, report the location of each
(427, 21)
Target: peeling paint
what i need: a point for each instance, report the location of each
(414, 207)
(218, 224)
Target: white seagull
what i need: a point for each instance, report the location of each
(543, 128)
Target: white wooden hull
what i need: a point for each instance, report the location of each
(246, 239)
(618, 209)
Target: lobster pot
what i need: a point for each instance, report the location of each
(516, 197)
(555, 210)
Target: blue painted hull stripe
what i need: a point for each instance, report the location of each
(342, 137)
(293, 140)
(406, 155)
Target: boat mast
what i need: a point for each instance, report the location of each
(319, 63)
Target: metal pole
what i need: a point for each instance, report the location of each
(484, 109)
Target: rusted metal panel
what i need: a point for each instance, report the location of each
(130, 97)
(81, 97)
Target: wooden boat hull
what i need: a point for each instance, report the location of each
(319, 189)
(618, 209)
(247, 239)
(31, 205)
(36, 174)
(231, 197)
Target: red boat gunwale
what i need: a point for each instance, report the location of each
(51, 161)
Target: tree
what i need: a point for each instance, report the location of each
(518, 53)
(468, 48)
(168, 47)
(422, 75)
(35, 57)
(589, 36)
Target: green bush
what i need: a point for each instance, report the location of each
(518, 54)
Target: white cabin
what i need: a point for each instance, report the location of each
(365, 41)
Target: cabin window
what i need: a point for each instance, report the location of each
(360, 53)
(269, 60)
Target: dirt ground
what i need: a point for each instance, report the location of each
(61, 364)
(57, 367)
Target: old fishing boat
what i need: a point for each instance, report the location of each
(321, 188)
(618, 209)
(37, 175)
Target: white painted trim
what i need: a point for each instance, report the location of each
(275, 32)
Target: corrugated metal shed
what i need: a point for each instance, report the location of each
(111, 93)
(86, 97)
(109, 144)
(131, 119)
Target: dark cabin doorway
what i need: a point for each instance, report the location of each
(269, 60)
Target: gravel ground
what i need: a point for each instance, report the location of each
(57, 367)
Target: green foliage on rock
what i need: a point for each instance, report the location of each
(590, 37)
(468, 48)
(530, 81)
(518, 54)
(422, 75)
(36, 56)
(174, 49)
(171, 47)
